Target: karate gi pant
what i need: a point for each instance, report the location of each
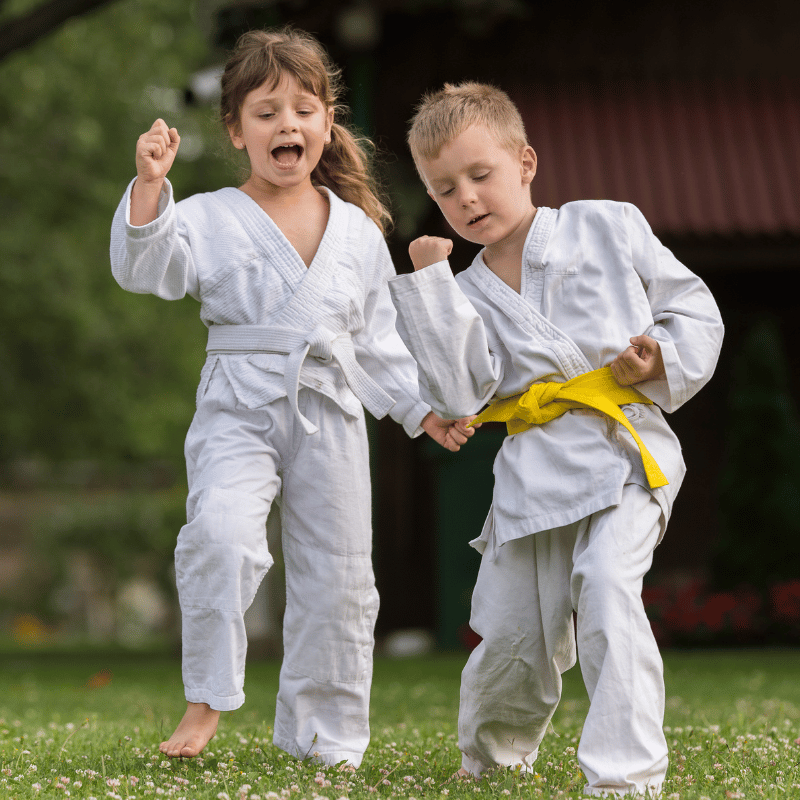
(239, 461)
(522, 606)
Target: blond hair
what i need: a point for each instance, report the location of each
(265, 56)
(445, 114)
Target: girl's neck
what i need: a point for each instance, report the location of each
(300, 212)
(268, 196)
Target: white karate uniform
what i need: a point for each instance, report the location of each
(293, 351)
(593, 275)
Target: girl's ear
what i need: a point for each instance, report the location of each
(528, 164)
(329, 126)
(235, 132)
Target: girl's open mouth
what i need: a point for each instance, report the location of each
(287, 155)
(476, 220)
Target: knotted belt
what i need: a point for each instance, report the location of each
(598, 390)
(323, 345)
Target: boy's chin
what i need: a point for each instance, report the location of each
(484, 240)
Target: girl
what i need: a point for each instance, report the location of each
(291, 272)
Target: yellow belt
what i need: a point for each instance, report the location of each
(545, 401)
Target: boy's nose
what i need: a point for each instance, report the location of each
(467, 197)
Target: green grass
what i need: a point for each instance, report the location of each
(732, 721)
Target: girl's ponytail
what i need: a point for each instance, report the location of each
(345, 168)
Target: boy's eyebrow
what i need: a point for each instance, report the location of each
(475, 165)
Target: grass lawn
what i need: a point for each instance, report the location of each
(90, 727)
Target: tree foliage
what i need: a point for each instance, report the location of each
(22, 30)
(760, 480)
(86, 369)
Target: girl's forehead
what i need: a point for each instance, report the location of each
(283, 85)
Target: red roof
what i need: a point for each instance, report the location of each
(708, 158)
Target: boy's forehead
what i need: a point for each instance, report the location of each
(473, 145)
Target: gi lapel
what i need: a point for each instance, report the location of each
(265, 234)
(522, 310)
(301, 311)
(311, 283)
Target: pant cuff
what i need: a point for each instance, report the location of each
(215, 701)
(329, 758)
(630, 791)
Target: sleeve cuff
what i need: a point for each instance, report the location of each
(412, 282)
(666, 392)
(412, 422)
(165, 203)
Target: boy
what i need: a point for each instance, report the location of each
(578, 504)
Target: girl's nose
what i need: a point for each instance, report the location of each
(288, 123)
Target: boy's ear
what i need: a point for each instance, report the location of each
(528, 164)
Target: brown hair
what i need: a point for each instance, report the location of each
(265, 56)
(445, 114)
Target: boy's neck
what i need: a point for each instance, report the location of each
(504, 258)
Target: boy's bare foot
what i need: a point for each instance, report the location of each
(195, 730)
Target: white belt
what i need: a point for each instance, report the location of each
(324, 345)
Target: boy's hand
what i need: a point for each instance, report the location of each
(641, 361)
(155, 152)
(449, 433)
(429, 250)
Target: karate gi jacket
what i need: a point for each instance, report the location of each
(222, 249)
(593, 275)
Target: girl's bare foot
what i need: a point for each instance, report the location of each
(461, 775)
(195, 730)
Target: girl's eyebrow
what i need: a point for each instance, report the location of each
(296, 98)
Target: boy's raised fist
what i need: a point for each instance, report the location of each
(429, 250)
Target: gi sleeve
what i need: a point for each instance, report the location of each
(153, 258)
(448, 339)
(687, 323)
(381, 352)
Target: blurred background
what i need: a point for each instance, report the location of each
(690, 110)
